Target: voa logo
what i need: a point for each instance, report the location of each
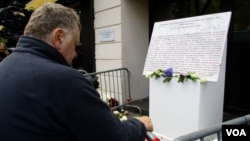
(236, 132)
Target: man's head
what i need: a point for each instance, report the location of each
(58, 26)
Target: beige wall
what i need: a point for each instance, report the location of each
(128, 19)
(135, 41)
(108, 16)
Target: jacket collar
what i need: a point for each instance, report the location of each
(38, 47)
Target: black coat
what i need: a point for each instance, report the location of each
(43, 99)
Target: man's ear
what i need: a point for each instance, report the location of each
(57, 37)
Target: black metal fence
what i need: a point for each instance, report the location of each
(214, 131)
(114, 87)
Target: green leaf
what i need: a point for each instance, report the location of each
(181, 79)
(167, 79)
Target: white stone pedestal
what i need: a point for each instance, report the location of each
(180, 108)
(190, 43)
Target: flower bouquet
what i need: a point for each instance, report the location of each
(168, 74)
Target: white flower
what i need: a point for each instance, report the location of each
(194, 75)
(123, 118)
(148, 75)
(203, 80)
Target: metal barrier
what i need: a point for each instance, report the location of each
(114, 87)
(214, 130)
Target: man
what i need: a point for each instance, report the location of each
(43, 99)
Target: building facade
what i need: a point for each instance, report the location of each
(122, 39)
(130, 23)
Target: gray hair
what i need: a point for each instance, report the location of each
(48, 17)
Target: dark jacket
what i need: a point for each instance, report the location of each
(43, 99)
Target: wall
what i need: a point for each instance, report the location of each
(108, 16)
(128, 19)
(135, 41)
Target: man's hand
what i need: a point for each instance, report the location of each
(146, 121)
